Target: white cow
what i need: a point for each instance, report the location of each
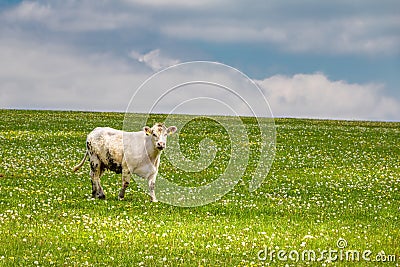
(126, 153)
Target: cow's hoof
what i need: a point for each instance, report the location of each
(120, 198)
(98, 195)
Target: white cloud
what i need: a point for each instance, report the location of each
(315, 96)
(154, 59)
(36, 76)
(225, 32)
(171, 3)
(73, 16)
(29, 11)
(342, 35)
(355, 34)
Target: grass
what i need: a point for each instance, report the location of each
(330, 180)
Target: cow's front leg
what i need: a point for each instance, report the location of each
(152, 185)
(126, 177)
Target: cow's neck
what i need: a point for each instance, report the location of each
(152, 152)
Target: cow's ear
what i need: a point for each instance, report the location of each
(147, 130)
(171, 129)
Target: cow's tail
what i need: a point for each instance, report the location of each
(77, 167)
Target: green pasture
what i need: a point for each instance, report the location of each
(333, 189)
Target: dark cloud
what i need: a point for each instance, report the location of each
(301, 26)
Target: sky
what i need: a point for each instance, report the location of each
(315, 59)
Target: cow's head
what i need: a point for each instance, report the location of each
(159, 134)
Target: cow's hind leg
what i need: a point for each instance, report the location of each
(97, 190)
(126, 177)
(96, 170)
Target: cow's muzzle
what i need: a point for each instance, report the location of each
(160, 146)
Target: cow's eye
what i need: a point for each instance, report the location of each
(154, 135)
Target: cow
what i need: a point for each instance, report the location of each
(126, 153)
